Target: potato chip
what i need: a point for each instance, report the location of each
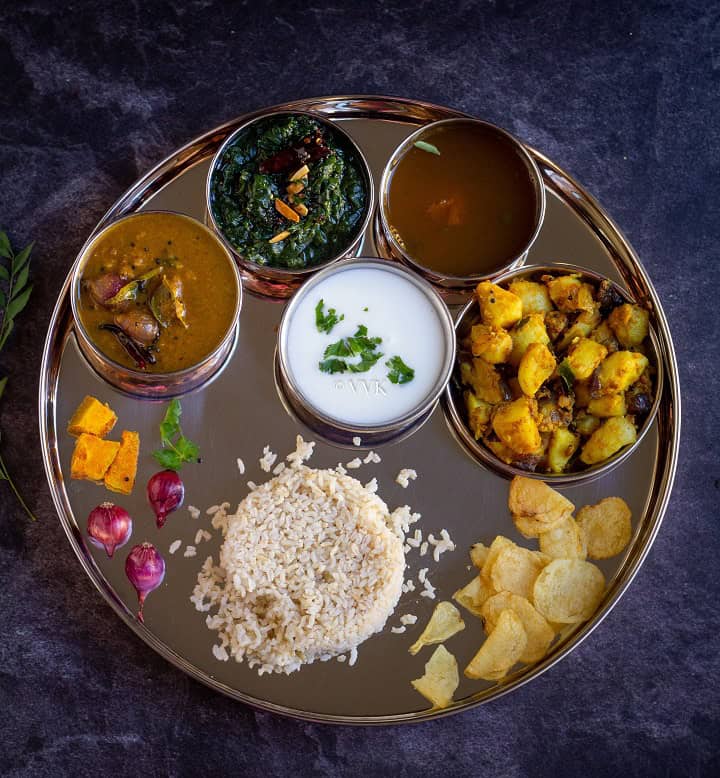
(515, 570)
(444, 623)
(441, 678)
(474, 594)
(568, 590)
(538, 632)
(496, 547)
(479, 554)
(502, 649)
(607, 527)
(564, 541)
(535, 507)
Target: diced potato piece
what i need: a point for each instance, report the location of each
(530, 330)
(92, 417)
(502, 452)
(493, 344)
(609, 405)
(584, 356)
(607, 527)
(586, 424)
(535, 506)
(619, 371)
(484, 380)
(536, 366)
(120, 476)
(498, 307)
(478, 554)
(473, 595)
(630, 323)
(478, 414)
(609, 438)
(603, 334)
(563, 444)
(445, 622)
(92, 457)
(534, 296)
(566, 540)
(515, 570)
(441, 678)
(539, 633)
(514, 423)
(582, 393)
(570, 293)
(502, 649)
(581, 328)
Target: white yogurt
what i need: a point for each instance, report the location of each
(398, 312)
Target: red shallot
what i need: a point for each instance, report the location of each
(145, 569)
(109, 526)
(165, 492)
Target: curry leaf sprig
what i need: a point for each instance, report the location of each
(176, 448)
(14, 295)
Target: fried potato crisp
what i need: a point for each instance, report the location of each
(441, 678)
(444, 623)
(474, 594)
(496, 547)
(515, 570)
(607, 527)
(536, 507)
(564, 541)
(502, 649)
(538, 632)
(479, 554)
(568, 590)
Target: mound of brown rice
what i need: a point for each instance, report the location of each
(311, 566)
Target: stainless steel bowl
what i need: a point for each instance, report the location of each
(454, 405)
(160, 386)
(343, 433)
(278, 281)
(390, 246)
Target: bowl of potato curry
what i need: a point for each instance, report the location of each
(156, 299)
(558, 373)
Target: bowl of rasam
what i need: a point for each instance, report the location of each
(461, 201)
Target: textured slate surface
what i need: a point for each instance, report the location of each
(624, 98)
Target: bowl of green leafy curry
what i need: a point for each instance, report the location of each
(289, 193)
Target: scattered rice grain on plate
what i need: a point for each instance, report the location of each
(216, 508)
(174, 546)
(429, 590)
(190, 551)
(422, 574)
(424, 548)
(194, 512)
(371, 486)
(406, 548)
(416, 539)
(353, 656)
(405, 476)
(241, 466)
(220, 653)
(340, 470)
(279, 468)
(267, 460)
(341, 658)
(408, 618)
(408, 586)
(303, 451)
(397, 630)
(441, 544)
(353, 464)
(198, 536)
(372, 457)
(356, 441)
(252, 486)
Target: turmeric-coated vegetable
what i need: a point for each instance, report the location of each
(92, 457)
(120, 476)
(92, 417)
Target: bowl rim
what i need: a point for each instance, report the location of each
(481, 454)
(286, 273)
(384, 191)
(134, 375)
(444, 375)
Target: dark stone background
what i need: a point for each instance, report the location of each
(624, 96)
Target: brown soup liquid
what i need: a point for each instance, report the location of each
(468, 211)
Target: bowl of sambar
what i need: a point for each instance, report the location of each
(461, 201)
(156, 299)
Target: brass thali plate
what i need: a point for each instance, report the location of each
(240, 412)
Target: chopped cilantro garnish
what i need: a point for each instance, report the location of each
(399, 373)
(359, 345)
(325, 322)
